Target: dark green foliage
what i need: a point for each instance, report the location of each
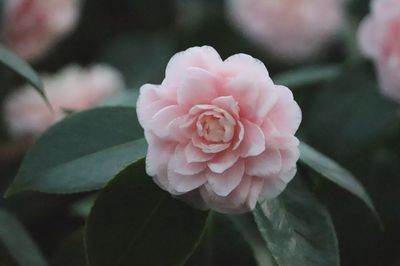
(134, 222)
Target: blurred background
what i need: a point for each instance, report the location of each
(344, 114)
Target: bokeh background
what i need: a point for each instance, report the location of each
(344, 116)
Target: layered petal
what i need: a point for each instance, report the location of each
(235, 202)
(221, 162)
(157, 160)
(204, 57)
(286, 114)
(227, 103)
(267, 163)
(198, 87)
(224, 183)
(184, 183)
(149, 103)
(179, 164)
(254, 140)
(194, 154)
(160, 122)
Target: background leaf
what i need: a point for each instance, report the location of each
(71, 252)
(127, 98)
(14, 237)
(297, 228)
(222, 245)
(335, 173)
(14, 63)
(133, 222)
(247, 226)
(148, 56)
(348, 117)
(307, 76)
(82, 152)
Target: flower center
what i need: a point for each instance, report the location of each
(215, 129)
(210, 128)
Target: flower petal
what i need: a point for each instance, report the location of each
(256, 187)
(235, 202)
(224, 183)
(254, 140)
(204, 57)
(286, 114)
(157, 160)
(185, 183)
(149, 103)
(241, 63)
(180, 165)
(209, 148)
(229, 104)
(289, 158)
(161, 120)
(267, 163)
(194, 154)
(239, 135)
(246, 92)
(224, 161)
(267, 99)
(198, 87)
(273, 187)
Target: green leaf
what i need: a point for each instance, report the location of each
(71, 252)
(14, 237)
(335, 173)
(352, 115)
(140, 58)
(307, 76)
(297, 228)
(213, 249)
(82, 152)
(133, 222)
(127, 98)
(247, 226)
(82, 207)
(14, 63)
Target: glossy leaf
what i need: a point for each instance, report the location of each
(348, 117)
(222, 244)
(14, 63)
(17, 241)
(297, 228)
(82, 152)
(307, 76)
(335, 173)
(247, 226)
(134, 222)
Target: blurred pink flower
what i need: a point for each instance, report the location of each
(221, 131)
(289, 29)
(74, 88)
(31, 27)
(379, 38)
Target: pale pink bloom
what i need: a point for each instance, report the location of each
(73, 89)
(219, 130)
(289, 29)
(379, 38)
(31, 27)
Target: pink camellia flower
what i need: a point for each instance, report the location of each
(221, 131)
(74, 88)
(288, 29)
(31, 27)
(379, 38)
